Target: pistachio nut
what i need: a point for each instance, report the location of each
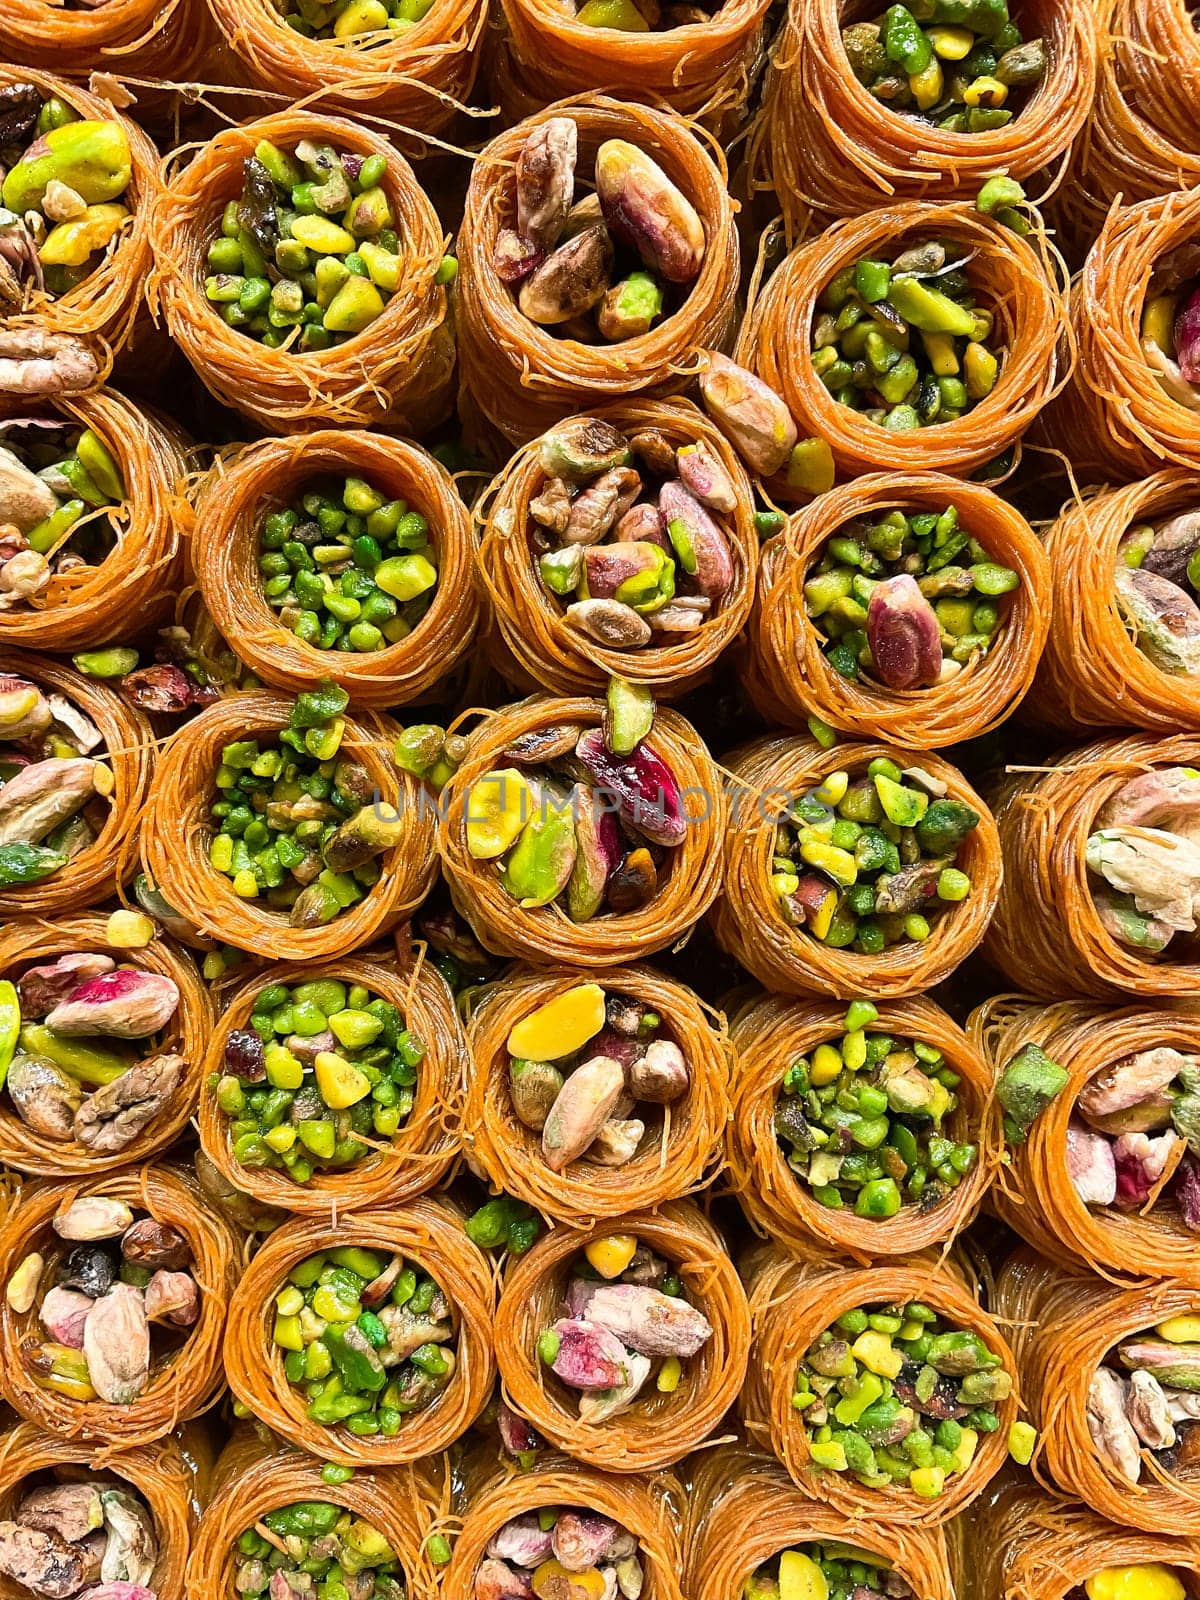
(638, 575)
(628, 715)
(24, 709)
(609, 623)
(705, 477)
(642, 524)
(90, 157)
(648, 212)
(598, 853)
(661, 1075)
(902, 630)
(93, 1217)
(126, 1004)
(499, 805)
(515, 258)
(631, 307)
(1163, 618)
(645, 787)
(534, 1087)
(368, 833)
(570, 281)
(580, 1110)
(539, 867)
(546, 181)
(617, 1142)
(21, 1290)
(582, 447)
(116, 1343)
(38, 797)
(634, 883)
(750, 415)
(699, 543)
(597, 507)
(25, 499)
(35, 361)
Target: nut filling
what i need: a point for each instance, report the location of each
(1143, 1401)
(295, 823)
(640, 555)
(322, 1074)
(611, 263)
(346, 568)
(89, 1535)
(56, 485)
(586, 1069)
(1144, 861)
(65, 179)
(315, 1550)
(910, 600)
(54, 783)
(867, 861)
(953, 64)
(366, 23)
(627, 1322)
(862, 1121)
(560, 1553)
(1157, 581)
(826, 1571)
(584, 817)
(367, 1339)
(117, 1299)
(895, 1395)
(1134, 1137)
(903, 340)
(308, 254)
(80, 1053)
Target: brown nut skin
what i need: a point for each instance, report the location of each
(750, 415)
(648, 212)
(546, 181)
(609, 622)
(571, 281)
(600, 505)
(515, 258)
(902, 630)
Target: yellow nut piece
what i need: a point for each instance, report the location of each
(800, 1578)
(552, 1581)
(965, 1453)
(1151, 1581)
(951, 44)
(1022, 1437)
(1158, 321)
(611, 1255)
(939, 347)
(361, 16)
(833, 790)
(1180, 1330)
(319, 233)
(826, 1065)
(560, 1027)
(926, 85)
(23, 1285)
(70, 244)
(878, 1354)
(669, 1375)
(811, 468)
(927, 1482)
(129, 930)
(498, 807)
(840, 865)
(985, 91)
(340, 1082)
(980, 369)
(854, 1050)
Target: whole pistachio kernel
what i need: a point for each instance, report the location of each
(907, 598)
(862, 864)
(902, 340)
